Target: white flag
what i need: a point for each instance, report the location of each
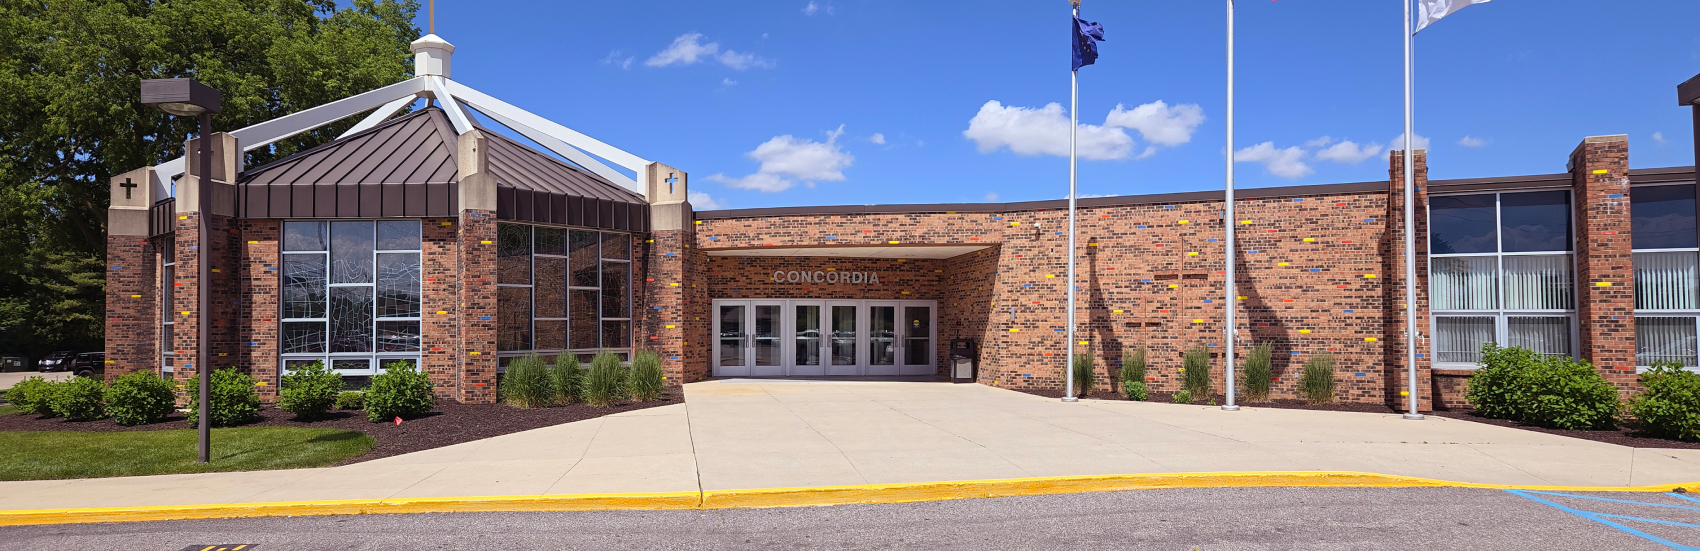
(1430, 11)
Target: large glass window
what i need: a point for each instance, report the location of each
(1667, 281)
(350, 294)
(563, 291)
(167, 304)
(1501, 271)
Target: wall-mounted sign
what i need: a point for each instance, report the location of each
(849, 278)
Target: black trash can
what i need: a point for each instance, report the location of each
(964, 361)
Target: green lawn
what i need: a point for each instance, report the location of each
(48, 455)
(8, 409)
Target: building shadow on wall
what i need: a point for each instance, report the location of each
(965, 309)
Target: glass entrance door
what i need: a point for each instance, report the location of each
(730, 357)
(844, 324)
(808, 343)
(766, 342)
(776, 338)
(882, 339)
(918, 352)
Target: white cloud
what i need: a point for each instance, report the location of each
(1398, 144)
(1470, 141)
(728, 82)
(1159, 123)
(618, 57)
(1345, 151)
(702, 201)
(1659, 137)
(877, 138)
(991, 196)
(687, 49)
(816, 7)
(1320, 142)
(1286, 163)
(787, 161)
(1042, 131)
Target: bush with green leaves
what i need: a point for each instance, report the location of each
(1182, 397)
(402, 390)
(34, 396)
(351, 400)
(81, 399)
(1259, 370)
(528, 383)
(310, 391)
(1549, 391)
(645, 378)
(569, 379)
(1084, 378)
(1133, 375)
(139, 398)
(1316, 381)
(233, 399)
(605, 385)
(1670, 406)
(1196, 378)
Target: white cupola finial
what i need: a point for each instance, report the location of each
(431, 56)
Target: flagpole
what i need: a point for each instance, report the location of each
(1410, 229)
(1074, 124)
(1229, 221)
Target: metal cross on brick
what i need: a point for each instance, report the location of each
(127, 185)
(671, 179)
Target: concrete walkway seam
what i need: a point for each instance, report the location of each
(772, 497)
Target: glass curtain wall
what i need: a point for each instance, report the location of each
(1666, 242)
(1501, 270)
(562, 290)
(167, 304)
(350, 294)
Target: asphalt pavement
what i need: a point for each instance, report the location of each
(1204, 519)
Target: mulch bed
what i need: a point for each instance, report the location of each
(448, 424)
(1625, 435)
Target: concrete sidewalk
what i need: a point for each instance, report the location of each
(743, 434)
(11, 378)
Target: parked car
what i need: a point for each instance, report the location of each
(89, 364)
(57, 361)
(14, 362)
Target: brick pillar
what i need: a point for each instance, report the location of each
(219, 213)
(1396, 373)
(1605, 267)
(439, 310)
(259, 282)
(476, 244)
(666, 323)
(132, 277)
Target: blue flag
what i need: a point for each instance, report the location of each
(1086, 37)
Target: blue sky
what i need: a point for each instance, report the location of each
(805, 102)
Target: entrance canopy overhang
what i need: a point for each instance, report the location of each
(857, 251)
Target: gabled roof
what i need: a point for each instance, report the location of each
(407, 167)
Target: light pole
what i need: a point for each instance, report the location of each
(184, 97)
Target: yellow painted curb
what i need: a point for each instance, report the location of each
(774, 497)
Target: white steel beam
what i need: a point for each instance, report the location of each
(378, 117)
(563, 149)
(456, 116)
(493, 106)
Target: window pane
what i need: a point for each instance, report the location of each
(617, 245)
(292, 365)
(513, 315)
(1549, 336)
(398, 285)
(398, 235)
(513, 263)
(551, 335)
(551, 241)
(351, 319)
(551, 287)
(1539, 283)
(358, 364)
(584, 316)
(1664, 340)
(1460, 340)
(304, 337)
(584, 258)
(387, 363)
(1662, 217)
(1537, 221)
(304, 236)
(168, 290)
(303, 285)
(615, 302)
(167, 336)
(398, 336)
(1665, 281)
(1465, 283)
(351, 252)
(1462, 224)
(616, 334)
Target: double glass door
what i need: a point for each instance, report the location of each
(775, 338)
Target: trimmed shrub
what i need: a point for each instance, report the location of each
(1258, 370)
(1182, 397)
(1316, 382)
(351, 400)
(1670, 407)
(605, 385)
(402, 390)
(1556, 392)
(646, 380)
(81, 399)
(34, 396)
(527, 383)
(310, 391)
(140, 398)
(233, 399)
(1084, 379)
(1133, 375)
(1196, 378)
(569, 379)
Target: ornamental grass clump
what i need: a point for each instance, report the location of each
(1316, 382)
(34, 396)
(1670, 407)
(1196, 378)
(81, 399)
(1258, 370)
(310, 391)
(1084, 378)
(569, 379)
(1549, 391)
(233, 399)
(646, 380)
(1133, 375)
(605, 385)
(139, 398)
(528, 384)
(351, 400)
(402, 390)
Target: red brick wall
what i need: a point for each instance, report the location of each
(224, 312)
(1605, 267)
(662, 309)
(1393, 255)
(261, 275)
(132, 305)
(477, 267)
(439, 309)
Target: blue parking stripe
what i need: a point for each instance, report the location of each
(1616, 500)
(1652, 520)
(1680, 496)
(1597, 518)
